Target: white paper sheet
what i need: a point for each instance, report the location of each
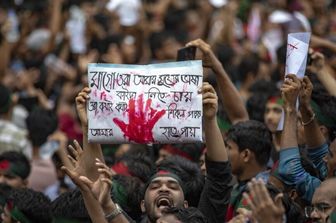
(156, 103)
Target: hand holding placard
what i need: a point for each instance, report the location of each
(296, 59)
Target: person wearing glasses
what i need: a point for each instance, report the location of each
(323, 208)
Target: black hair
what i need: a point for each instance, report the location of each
(139, 164)
(70, 205)
(293, 211)
(131, 191)
(34, 205)
(18, 159)
(264, 87)
(186, 215)
(281, 54)
(261, 91)
(252, 135)
(193, 150)
(157, 40)
(40, 124)
(327, 105)
(255, 106)
(189, 173)
(249, 64)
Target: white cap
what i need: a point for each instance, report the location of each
(218, 3)
(37, 39)
(280, 16)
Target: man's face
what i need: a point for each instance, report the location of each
(323, 206)
(272, 116)
(234, 157)
(168, 218)
(12, 180)
(162, 192)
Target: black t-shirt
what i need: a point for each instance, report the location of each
(216, 193)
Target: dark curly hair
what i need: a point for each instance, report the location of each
(34, 205)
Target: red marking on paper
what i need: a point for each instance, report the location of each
(103, 96)
(291, 48)
(141, 120)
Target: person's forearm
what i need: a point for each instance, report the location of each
(216, 150)
(55, 23)
(93, 207)
(313, 135)
(233, 103)
(329, 44)
(327, 81)
(110, 208)
(90, 152)
(63, 155)
(5, 50)
(289, 132)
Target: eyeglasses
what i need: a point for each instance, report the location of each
(322, 208)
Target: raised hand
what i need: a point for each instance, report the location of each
(306, 91)
(74, 172)
(141, 120)
(102, 186)
(81, 102)
(209, 59)
(210, 101)
(99, 188)
(290, 91)
(318, 62)
(264, 209)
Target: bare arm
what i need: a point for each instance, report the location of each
(328, 81)
(96, 194)
(313, 134)
(94, 210)
(321, 42)
(233, 103)
(290, 91)
(55, 23)
(91, 150)
(5, 49)
(216, 150)
(323, 72)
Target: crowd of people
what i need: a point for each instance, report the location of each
(246, 170)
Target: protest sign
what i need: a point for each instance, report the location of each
(157, 103)
(297, 52)
(296, 60)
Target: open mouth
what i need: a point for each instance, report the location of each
(163, 202)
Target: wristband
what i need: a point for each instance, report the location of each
(310, 120)
(117, 211)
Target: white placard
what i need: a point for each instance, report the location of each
(296, 60)
(297, 52)
(157, 103)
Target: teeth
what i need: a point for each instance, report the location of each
(164, 202)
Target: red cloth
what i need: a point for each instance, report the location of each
(70, 127)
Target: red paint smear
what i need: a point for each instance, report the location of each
(141, 121)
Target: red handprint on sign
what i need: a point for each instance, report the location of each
(141, 121)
